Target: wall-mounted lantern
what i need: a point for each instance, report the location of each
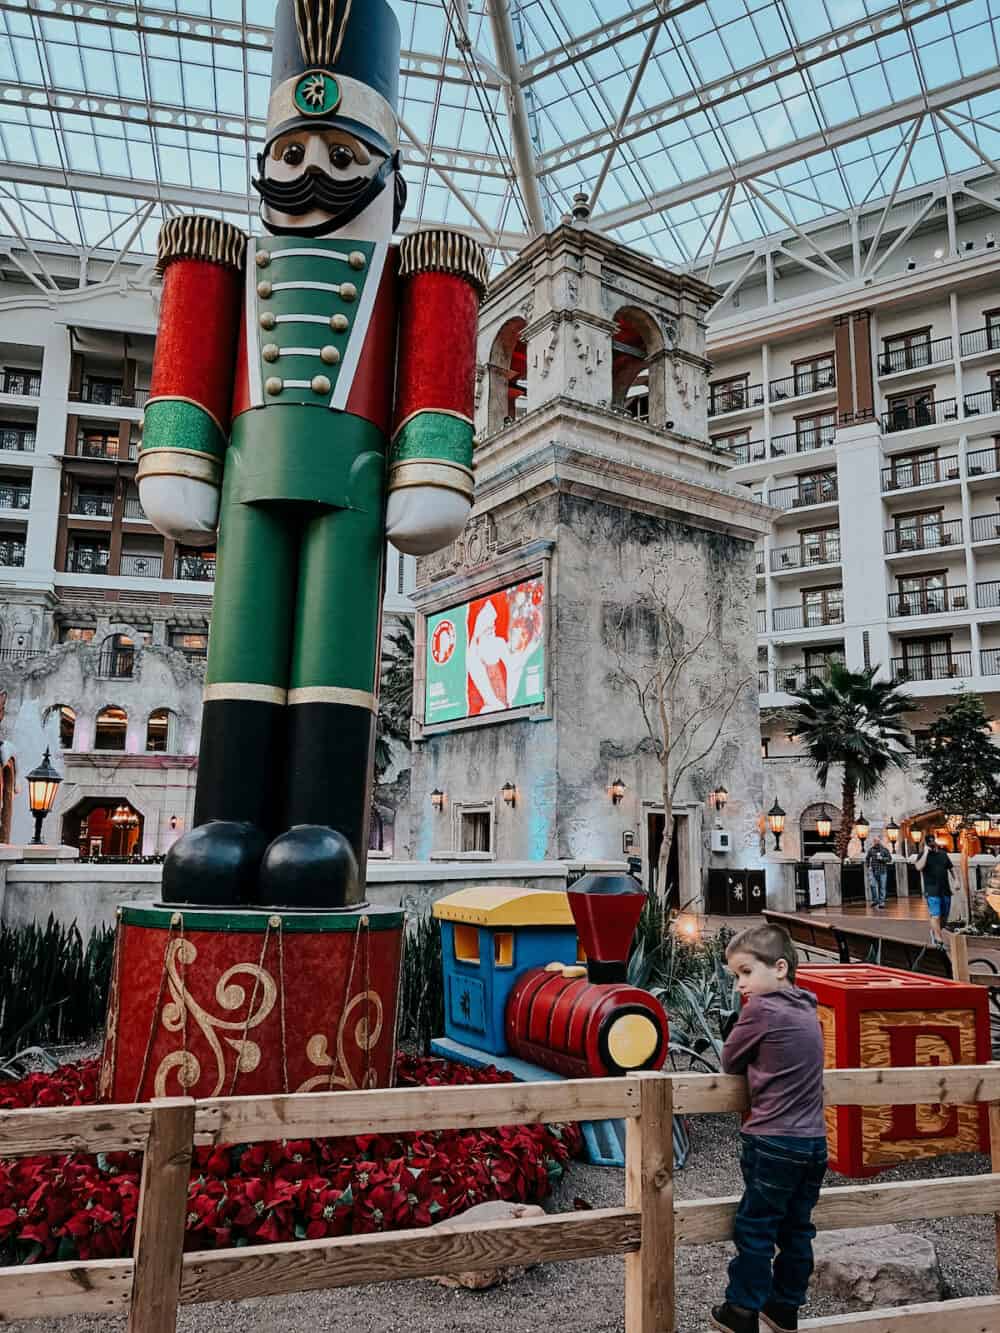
(43, 783)
(776, 823)
(437, 799)
(617, 791)
(861, 829)
(509, 793)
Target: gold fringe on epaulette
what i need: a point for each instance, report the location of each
(320, 33)
(441, 251)
(201, 238)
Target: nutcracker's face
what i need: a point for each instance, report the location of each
(317, 181)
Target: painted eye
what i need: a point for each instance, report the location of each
(293, 154)
(341, 157)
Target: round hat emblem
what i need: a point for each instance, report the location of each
(317, 93)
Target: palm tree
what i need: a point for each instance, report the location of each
(857, 721)
(395, 705)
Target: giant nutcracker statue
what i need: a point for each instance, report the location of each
(311, 396)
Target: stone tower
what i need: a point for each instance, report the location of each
(595, 483)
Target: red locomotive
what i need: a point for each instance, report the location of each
(588, 1021)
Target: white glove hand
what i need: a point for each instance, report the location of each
(422, 519)
(182, 508)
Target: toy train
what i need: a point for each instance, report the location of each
(535, 980)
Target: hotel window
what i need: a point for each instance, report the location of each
(813, 373)
(819, 546)
(916, 532)
(906, 351)
(814, 431)
(909, 410)
(729, 395)
(822, 606)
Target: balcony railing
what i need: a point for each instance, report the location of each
(116, 663)
(758, 561)
(922, 472)
(797, 676)
(985, 527)
(932, 666)
(15, 497)
(804, 555)
(194, 654)
(110, 448)
(141, 566)
(928, 601)
(980, 340)
(133, 509)
(989, 661)
(761, 622)
(805, 493)
(194, 567)
(763, 681)
(22, 386)
(988, 595)
(807, 617)
(87, 561)
(928, 537)
(802, 381)
(980, 403)
(751, 451)
(916, 355)
(20, 654)
(981, 462)
(103, 394)
(12, 554)
(910, 416)
(802, 441)
(17, 440)
(735, 399)
(92, 506)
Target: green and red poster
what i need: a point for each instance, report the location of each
(487, 656)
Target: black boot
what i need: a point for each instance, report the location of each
(780, 1318)
(311, 868)
(215, 865)
(731, 1321)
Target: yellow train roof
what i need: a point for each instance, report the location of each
(505, 905)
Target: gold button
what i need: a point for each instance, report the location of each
(320, 384)
(348, 291)
(270, 351)
(267, 320)
(264, 289)
(330, 355)
(274, 386)
(339, 322)
(263, 258)
(356, 259)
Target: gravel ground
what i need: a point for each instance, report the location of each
(589, 1293)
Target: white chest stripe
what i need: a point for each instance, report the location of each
(306, 287)
(302, 319)
(300, 351)
(255, 384)
(313, 254)
(359, 331)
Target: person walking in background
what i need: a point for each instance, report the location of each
(935, 866)
(878, 859)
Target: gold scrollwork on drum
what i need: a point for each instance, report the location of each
(230, 996)
(365, 1034)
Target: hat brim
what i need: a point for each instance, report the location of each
(365, 133)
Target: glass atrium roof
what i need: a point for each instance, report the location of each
(694, 125)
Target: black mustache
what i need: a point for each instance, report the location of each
(314, 189)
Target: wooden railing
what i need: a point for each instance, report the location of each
(160, 1277)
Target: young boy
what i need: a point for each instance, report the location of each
(777, 1043)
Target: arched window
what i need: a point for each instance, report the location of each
(636, 340)
(808, 827)
(117, 660)
(110, 729)
(67, 724)
(508, 372)
(160, 731)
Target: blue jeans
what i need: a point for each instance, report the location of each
(877, 879)
(783, 1177)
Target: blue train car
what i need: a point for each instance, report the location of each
(490, 935)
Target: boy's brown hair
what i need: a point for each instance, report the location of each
(769, 944)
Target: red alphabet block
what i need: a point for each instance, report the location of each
(885, 1018)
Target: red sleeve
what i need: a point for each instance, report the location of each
(436, 369)
(199, 329)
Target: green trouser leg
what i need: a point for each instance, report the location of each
(332, 683)
(240, 767)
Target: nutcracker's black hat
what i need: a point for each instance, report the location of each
(335, 64)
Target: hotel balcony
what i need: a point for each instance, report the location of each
(928, 602)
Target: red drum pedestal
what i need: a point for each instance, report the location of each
(217, 1003)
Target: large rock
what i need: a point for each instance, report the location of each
(496, 1211)
(872, 1267)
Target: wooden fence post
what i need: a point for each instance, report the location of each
(958, 947)
(649, 1187)
(995, 1159)
(159, 1227)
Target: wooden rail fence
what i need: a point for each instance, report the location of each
(150, 1287)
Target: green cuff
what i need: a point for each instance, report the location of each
(174, 423)
(434, 437)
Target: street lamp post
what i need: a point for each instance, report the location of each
(776, 823)
(43, 783)
(861, 829)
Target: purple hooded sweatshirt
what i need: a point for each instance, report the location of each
(778, 1044)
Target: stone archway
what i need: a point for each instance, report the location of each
(809, 839)
(637, 363)
(507, 370)
(88, 826)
